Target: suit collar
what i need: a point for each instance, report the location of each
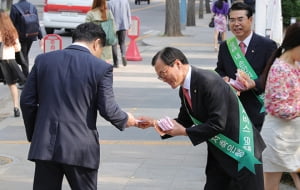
(193, 85)
(252, 46)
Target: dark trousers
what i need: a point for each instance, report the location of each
(218, 178)
(49, 176)
(121, 34)
(25, 48)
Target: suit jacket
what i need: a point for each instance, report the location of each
(15, 17)
(59, 103)
(258, 53)
(214, 104)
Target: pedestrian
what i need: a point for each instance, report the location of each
(251, 58)
(65, 88)
(220, 9)
(26, 42)
(10, 72)
(281, 128)
(122, 15)
(101, 13)
(210, 112)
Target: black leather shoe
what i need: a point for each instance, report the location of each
(17, 112)
(116, 66)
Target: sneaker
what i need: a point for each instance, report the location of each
(17, 112)
(124, 61)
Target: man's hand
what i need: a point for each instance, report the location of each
(144, 122)
(226, 79)
(243, 78)
(41, 43)
(177, 129)
(131, 120)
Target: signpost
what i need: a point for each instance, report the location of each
(132, 53)
(52, 42)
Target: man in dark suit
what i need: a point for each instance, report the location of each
(26, 42)
(59, 103)
(257, 52)
(212, 117)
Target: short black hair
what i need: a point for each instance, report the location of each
(238, 6)
(168, 55)
(89, 32)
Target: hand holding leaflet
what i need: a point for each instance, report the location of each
(165, 124)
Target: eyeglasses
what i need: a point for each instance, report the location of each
(238, 19)
(163, 74)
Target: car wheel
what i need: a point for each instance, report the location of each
(49, 30)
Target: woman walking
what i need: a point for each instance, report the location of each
(281, 128)
(101, 13)
(10, 73)
(220, 9)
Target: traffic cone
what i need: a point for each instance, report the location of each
(132, 53)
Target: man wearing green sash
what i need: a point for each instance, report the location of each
(249, 53)
(210, 112)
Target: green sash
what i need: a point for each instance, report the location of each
(242, 64)
(242, 152)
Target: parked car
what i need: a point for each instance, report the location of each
(138, 2)
(64, 14)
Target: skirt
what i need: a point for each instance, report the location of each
(282, 138)
(10, 72)
(220, 23)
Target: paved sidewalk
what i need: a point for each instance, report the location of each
(134, 159)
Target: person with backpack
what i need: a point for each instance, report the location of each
(25, 18)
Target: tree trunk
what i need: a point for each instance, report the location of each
(207, 6)
(9, 4)
(191, 13)
(201, 9)
(172, 27)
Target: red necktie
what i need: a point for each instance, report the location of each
(243, 47)
(187, 96)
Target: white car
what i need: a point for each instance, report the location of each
(64, 14)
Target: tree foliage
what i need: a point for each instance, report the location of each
(290, 8)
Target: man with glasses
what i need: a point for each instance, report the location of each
(210, 112)
(247, 54)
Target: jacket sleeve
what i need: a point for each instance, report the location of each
(107, 106)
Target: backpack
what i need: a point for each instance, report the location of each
(29, 26)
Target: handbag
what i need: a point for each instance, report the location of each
(212, 22)
(109, 29)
